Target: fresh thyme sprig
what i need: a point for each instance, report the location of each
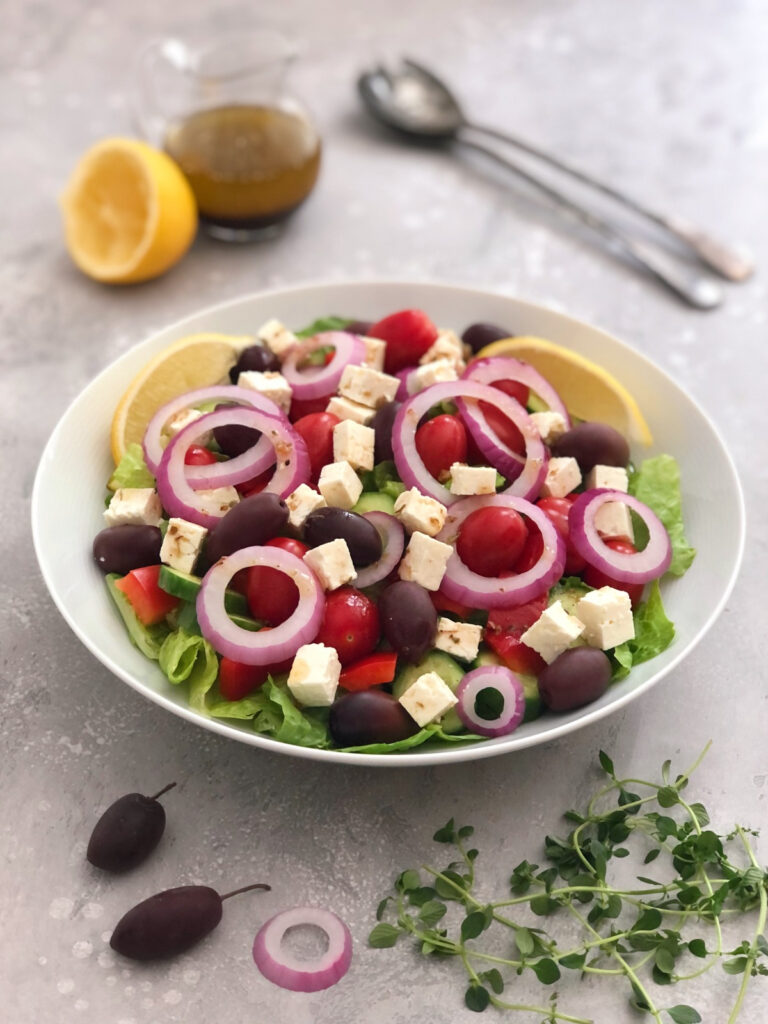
(648, 933)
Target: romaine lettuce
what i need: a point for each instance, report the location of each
(653, 634)
(657, 484)
(325, 323)
(185, 657)
(132, 470)
(278, 716)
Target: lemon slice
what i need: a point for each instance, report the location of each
(129, 213)
(588, 390)
(198, 361)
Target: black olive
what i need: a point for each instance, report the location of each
(127, 832)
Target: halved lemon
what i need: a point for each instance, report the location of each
(198, 361)
(588, 390)
(129, 213)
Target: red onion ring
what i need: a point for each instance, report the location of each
(179, 498)
(282, 968)
(410, 465)
(404, 376)
(505, 682)
(152, 443)
(496, 368)
(640, 567)
(393, 538)
(467, 587)
(317, 381)
(268, 646)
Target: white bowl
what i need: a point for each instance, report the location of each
(69, 488)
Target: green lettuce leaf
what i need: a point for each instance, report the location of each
(325, 323)
(653, 634)
(279, 717)
(429, 732)
(245, 708)
(148, 639)
(185, 657)
(132, 470)
(657, 483)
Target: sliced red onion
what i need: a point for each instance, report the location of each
(639, 567)
(410, 465)
(393, 539)
(505, 682)
(268, 646)
(316, 381)
(403, 392)
(153, 445)
(179, 498)
(237, 470)
(280, 966)
(497, 368)
(467, 587)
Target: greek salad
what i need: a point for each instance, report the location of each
(370, 537)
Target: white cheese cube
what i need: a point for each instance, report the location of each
(331, 563)
(182, 544)
(225, 497)
(375, 350)
(448, 345)
(425, 561)
(353, 443)
(427, 698)
(550, 425)
(472, 479)
(134, 506)
(368, 387)
(301, 502)
(553, 632)
(183, 419)
(438, 372)
(613, 520)
(459, 639)
(345, 409)
(563, 475)
(276, 337)
(607, 617)
(417, 511)
(340, 485)
(314, 675)
(269, 383)
(613, 477)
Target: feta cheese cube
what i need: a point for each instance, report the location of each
(427, 698)
(183, 419)
(375, 350)
(563, 475)
(613, 520)
(345, 409)
(368, 387)
(438, 372)
(416, 511)
(339, 484)
(269, 383)
(607, 617)
(553, 632)
(550, 425)
(459, 639)
(276, 337)
(425, 561)
(353, 443)
(182, 544)
(314, 675)
(331, 563)
(472, 479)
(301, 502)
(224, 498)
(613, 477)
(448, 345)
(135, 506)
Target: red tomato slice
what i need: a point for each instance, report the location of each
(446, 604)
(372, 671)
(237, 680)
(147, 598)
(504, 629)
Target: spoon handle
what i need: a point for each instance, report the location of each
(724, 259)
(698, 290)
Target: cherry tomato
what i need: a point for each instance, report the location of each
(408, 335)
(441, 442)
(532, 550)
(237, 680)
(446, 604)
(515, 389)
(350, 624)
(596, 578)
(256, 484)
(556, 510)
(307, 407)
(503, 427)
(371, 671)
(145, 595)
(491, 540)
(198, 456)
(273, 596)
(317, 431)
(503, 631)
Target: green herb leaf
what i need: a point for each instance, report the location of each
(573, 961)
(382, 907)
(408, 880)
(383, 935)
(543, 906)
(736, 966)
(682, 1014)
(446, 834)
(546, 971)
(697, 947)
(649, 920)
(474, 924)
(477, 998)
(524, 941)
(494, 979)
(431, 912)
(667, 796)
(606, 764)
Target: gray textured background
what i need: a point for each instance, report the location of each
(669, 100)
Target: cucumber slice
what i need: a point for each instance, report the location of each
(449, 671)
(187, 587)
(187, 619)
(374, 501)
(530, 685)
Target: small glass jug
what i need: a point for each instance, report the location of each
(248, 149)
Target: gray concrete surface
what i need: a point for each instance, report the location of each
(670, 101)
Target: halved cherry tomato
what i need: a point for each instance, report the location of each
(371, 671)
(504, 629)
(556, 510)
(532, 550)
(408, 335)
(147, 598)
(198, 456)
(503, 427)
(307, 407)
(441, 442)
(491, 540)
(256, 484)
(272, 595)
(596, 578)
(237, 680)
(350, 624)
(446, 604)
(317, 431)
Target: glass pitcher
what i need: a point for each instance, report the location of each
(249, 150)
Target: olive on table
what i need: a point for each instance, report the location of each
(130, 546)
(234, 439)
(255, 357)
(369, 716)
(361, 536)
(254, 520)
(477, 336)
(382, 424)
(593, 444)
(576, 677)
(408, 619)
(127, 832)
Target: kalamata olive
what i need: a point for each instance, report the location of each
(477, 336)
(131, 546)
(408, 619)
(234, 440)
(577, 676)
(127, 832)
(254, 520)
(255, 357)
(382, 424)
(362, 537)
(593, 444)
(369, 716)
(359, 327)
